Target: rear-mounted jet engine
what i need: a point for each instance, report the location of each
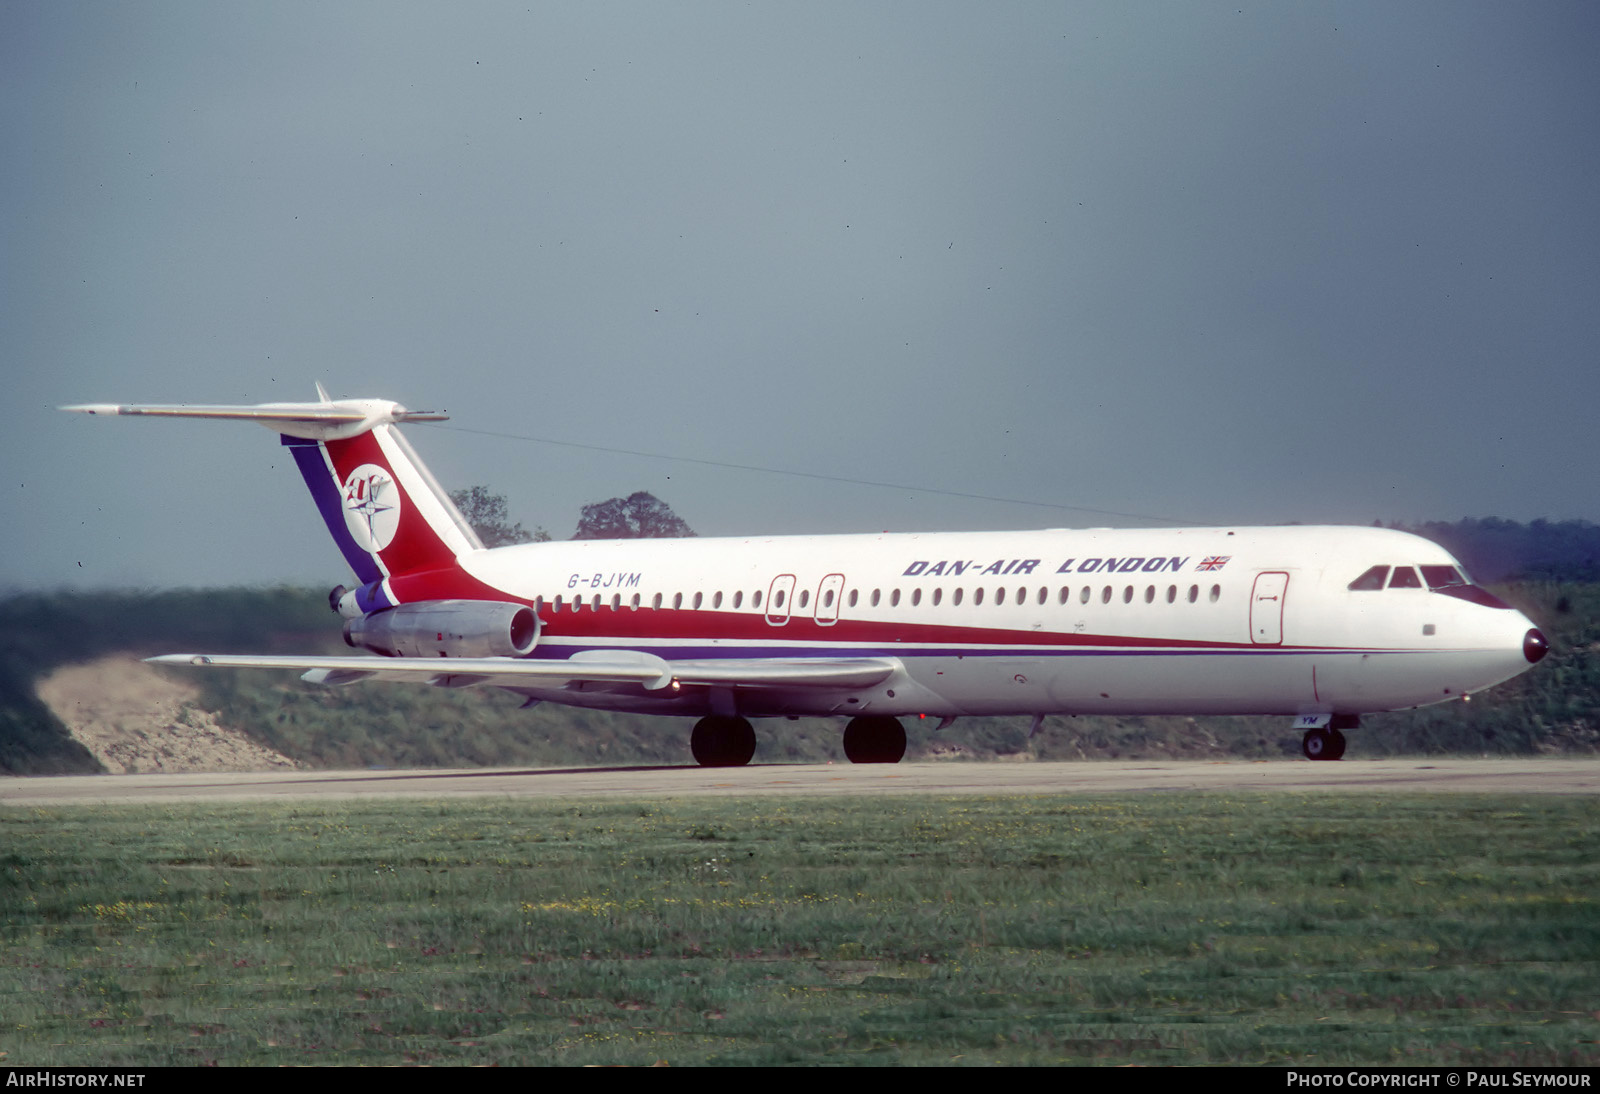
(447, 628)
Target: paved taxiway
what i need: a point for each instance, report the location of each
(1498, 776)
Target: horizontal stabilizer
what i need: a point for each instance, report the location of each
(327, 420)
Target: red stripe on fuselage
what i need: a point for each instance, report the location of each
(625, 624)
(709, 626)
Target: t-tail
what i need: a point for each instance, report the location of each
(394, 524)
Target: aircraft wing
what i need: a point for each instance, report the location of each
(596, 666)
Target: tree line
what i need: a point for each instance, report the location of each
(1495, 550)
(1492, 549)
(640, 515)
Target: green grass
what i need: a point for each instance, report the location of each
(1186, 928)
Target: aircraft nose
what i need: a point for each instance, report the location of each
(1534, 646)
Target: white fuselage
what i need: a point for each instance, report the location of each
(1142, 621)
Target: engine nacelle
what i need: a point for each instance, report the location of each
(447, 628)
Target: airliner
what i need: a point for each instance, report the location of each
(1317, 624)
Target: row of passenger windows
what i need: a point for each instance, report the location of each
(1405, 577)
(1000, 598)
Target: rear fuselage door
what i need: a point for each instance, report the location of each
(1266, 608)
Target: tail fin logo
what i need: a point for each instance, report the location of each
(371, 507)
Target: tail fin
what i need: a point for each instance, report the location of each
(384, 509)
(387, 513)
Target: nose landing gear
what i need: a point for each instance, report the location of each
(1328, 744)
(1323, 744)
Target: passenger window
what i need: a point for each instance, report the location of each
(1194, 593)
(716, 599)
(805, 597)
(1371, 580)
(1127, 594)
(1172, 594)
(854, 595)
(738, 598)
(938, 595)
(916, 597)
(655, 601)
(1404, 578)
(955, 597)
(894, 598)
(827, 599)
(1022, 596)
(1066, 594)
(1083, 597)
(558, 605)
(777, 600)
(1105, 595)
(635, 604)
(1149, 594)
(977, 596)
(1000, 597)
(874, 598)
(1216, 593)
(697, 601)
(755, 600)
(616, 602)
(677, 601)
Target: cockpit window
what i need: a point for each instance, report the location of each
(1372, 579)
(1404, 578)
(1438, 577)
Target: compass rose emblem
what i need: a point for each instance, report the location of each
(371, 507)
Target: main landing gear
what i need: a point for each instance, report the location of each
(874, 739)
(1328, 744)
(722, 742)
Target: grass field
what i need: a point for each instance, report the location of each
(1160, 928)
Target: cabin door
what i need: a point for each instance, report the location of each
(1266, 609)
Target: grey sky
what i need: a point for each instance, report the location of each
(1244, 262)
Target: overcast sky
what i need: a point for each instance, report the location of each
(1244, 262)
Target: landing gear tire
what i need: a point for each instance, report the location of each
(1323, 744)
(874, 740)
(722, 742)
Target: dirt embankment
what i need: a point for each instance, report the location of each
(135, 719)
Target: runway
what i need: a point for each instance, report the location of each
(1534, 775)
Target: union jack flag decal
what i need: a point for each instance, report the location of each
(1213, 562)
